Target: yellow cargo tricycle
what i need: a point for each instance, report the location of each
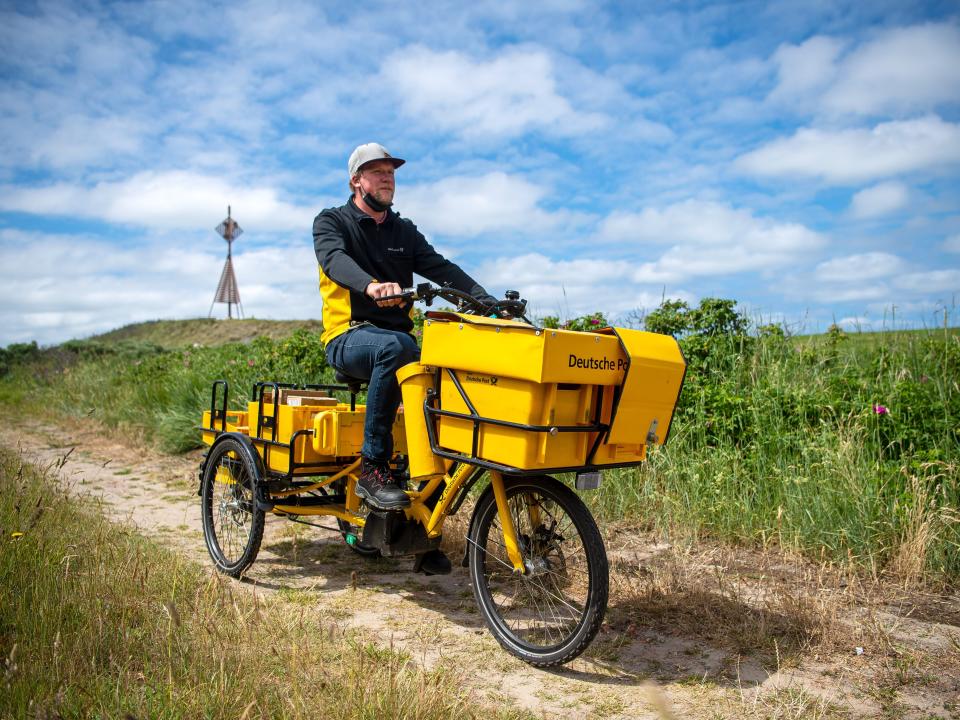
(493, 396)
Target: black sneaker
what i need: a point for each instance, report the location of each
(377, 486)
(433, 562)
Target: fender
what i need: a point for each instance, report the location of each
(473, 520)
(259, 488)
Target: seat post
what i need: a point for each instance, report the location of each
(354, 386)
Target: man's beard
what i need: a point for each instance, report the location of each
(376, 204)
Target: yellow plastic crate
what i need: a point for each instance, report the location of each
(517, 401)
(236, 422)
(338, 433)
(334, 433)
(520, 374)
(504, 348)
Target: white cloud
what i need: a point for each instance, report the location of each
(855, 322)
(568, 288)
(64, 287)
(879, 200)
(805, 69)
(932, 281)
(900, 71)
(162, 200)
(503, 97)
(83, 141)
(708, 239)
(903, 70)
(464, 206)
(952, 244)
(858, 268)
(831, 295)
(855, 155)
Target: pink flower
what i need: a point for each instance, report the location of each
(594, 321)
(251, 362)
(881, 409)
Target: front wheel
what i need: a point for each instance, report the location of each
(232, 523)
(549, 614)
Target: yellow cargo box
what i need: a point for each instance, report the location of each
(524, 403)
(532, 389)
(236, 422)
(339, 433)
(507, 348)
(324, 433)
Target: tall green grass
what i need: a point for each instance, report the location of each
(147, 392)
(845, 450)
(97, 622)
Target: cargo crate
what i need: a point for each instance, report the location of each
(531, 399)
(315, 434)
(236, 422)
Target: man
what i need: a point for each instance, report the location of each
(368, 252)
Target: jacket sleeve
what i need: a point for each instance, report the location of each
(436, 268)
(329, 242)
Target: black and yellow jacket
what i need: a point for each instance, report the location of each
(353, 251)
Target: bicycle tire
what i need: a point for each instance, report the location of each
(551, 613)
(232, 523)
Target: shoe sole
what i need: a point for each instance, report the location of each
(376, 504)
(428, 568)
(436, 572)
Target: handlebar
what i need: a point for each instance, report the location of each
(510, 308)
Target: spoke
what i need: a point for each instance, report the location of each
(231, 508)
(474, 542)
(560, 599)
(546, 626)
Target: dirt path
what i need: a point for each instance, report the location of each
(697, 633)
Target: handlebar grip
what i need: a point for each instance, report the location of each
(405, 295)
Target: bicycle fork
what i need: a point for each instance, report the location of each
(506, 523)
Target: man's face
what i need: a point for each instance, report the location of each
(377, 179)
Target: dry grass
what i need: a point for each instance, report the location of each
(779, 612)
(97, 621)
(927, 520)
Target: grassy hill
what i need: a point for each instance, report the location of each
(209, 332)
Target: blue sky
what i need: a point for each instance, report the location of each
(801, 157)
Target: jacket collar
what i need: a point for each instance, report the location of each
(359, 215)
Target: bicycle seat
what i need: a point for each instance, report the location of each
(353, 384)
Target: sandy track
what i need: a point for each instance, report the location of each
(705, 633)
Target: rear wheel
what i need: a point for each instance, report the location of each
(232, 524)
(549, 614)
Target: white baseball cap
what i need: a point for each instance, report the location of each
(367, 153)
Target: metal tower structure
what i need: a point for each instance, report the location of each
(227, 290)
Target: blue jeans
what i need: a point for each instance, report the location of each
(373, 354)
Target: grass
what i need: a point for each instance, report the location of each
(707, 599)
(781, 443)
(174, 334)
(96, 621)
(777, 441)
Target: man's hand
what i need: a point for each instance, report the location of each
(379, 290)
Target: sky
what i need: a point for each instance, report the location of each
(801, 157)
